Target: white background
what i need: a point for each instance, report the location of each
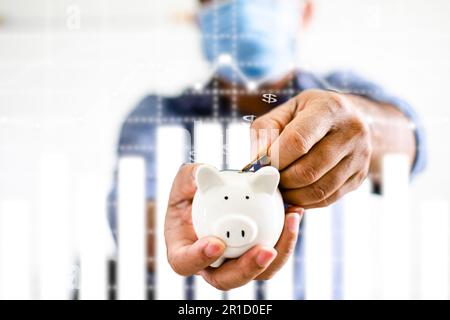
(65, 88)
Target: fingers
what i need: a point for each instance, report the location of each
(183, 187)
(302, 121)
(285, 245)
(185, 253)
(278, 118)
(352, 184)
(307, 128)
(324, 156)
(324, 187)
(189, 258)
(238, 272)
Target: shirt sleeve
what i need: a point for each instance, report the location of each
(352, 83)
(137, 138)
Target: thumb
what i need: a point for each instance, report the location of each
(184, 186)
(188, 259)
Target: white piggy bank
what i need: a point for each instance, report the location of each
(243, 209)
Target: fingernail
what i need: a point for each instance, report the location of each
(293, 222)
(264, 258)
(212, 250)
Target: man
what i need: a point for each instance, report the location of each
(334, 131)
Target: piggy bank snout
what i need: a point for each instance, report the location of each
(236, 230)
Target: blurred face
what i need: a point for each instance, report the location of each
(251, 40)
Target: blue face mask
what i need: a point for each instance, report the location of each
(260, 36)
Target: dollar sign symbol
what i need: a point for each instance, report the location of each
(269, 98)
(249, 118)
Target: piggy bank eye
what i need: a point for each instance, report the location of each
(247, 197)
(226, 197)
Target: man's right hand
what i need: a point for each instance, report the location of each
(189, 255)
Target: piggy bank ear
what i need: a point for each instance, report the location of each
(266, 180)
(207, 177)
